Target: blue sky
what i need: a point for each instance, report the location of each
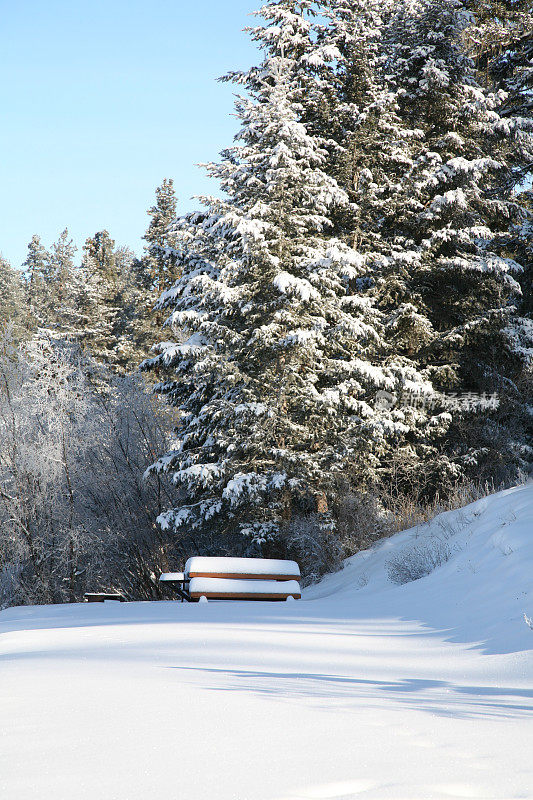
(101, 101)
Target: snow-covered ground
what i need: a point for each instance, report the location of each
(363, 689)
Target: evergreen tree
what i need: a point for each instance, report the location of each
(12, 312)
(136, 326)
(99, 259)
(62, 262)
(278, 383)
(141, 320)
(61, 280)
(100, 298)
(107, 293)
(159, 259)
(401, 95)
(455, 294)
(370, 152)
(39, 276)
(150, 275)
(501, 44)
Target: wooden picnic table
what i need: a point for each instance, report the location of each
(223, 578)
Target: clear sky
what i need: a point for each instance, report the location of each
(103, 99)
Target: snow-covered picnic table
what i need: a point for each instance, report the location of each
(222, 578)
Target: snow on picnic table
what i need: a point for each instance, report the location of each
(363, 689)
(239, 586)
(241, 566)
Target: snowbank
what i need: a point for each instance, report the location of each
(480, 592)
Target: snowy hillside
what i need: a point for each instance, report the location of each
(364, 689)
(481, 593)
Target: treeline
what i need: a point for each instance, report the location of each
(349, 330)
(105, 300)
(78, 426)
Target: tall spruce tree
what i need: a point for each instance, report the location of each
(135, 327)
(451, 216)
(371, 153)
(279, 381)
(100, 298)
(379, 135)
(150, 275)
(159, 258)
(62, 261)
(61, 279)
(39, 275)
(501, 43)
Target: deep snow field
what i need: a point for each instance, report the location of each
(363, 689)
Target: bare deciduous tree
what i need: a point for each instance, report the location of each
(75, 511)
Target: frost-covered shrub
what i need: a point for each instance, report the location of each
(75, 512)
(418, 560)
(362, 519)
(313, 545)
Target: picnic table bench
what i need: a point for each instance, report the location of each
(177, 581)
(220, 578)
(101, 597)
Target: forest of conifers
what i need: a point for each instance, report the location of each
(333, 347)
